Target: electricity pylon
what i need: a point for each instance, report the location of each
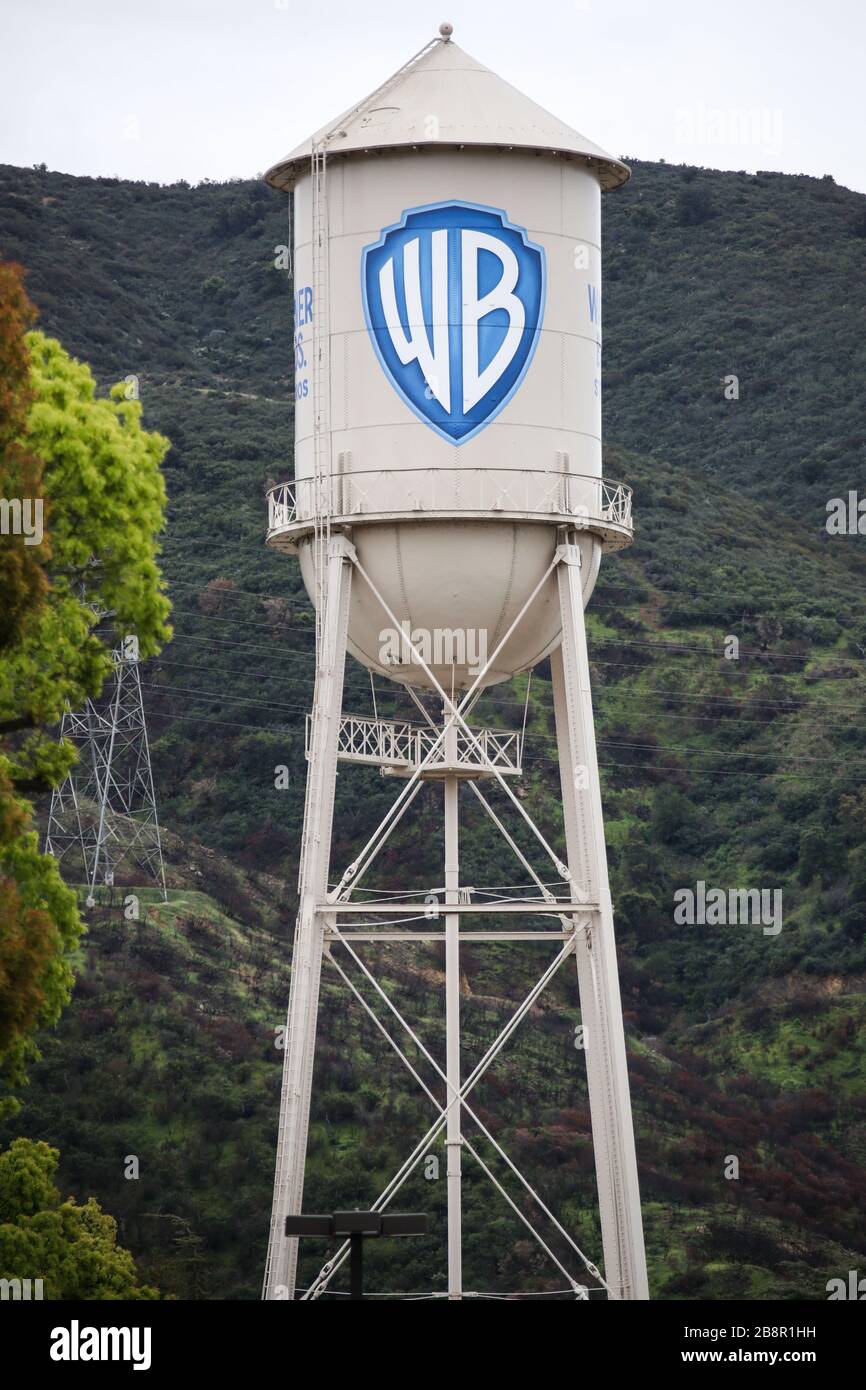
(106, 807)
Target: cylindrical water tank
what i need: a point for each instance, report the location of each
(459, 281)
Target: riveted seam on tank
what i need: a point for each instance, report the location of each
(508, 588)
(562, 199)
(541, 653)
(346, 416)
(562, 386)
(400, 574)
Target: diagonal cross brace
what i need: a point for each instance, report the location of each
(454, 715)
(438, 1125)
(464, 1104)
(464, 1141)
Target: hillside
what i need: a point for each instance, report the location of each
(744, 772)
(706, 274)
(168, 1053)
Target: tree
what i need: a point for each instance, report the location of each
(821, 855)
(39, 926)
(96, 475)
(23, 582)
(73, 1249)
(104, 504)
(694, 205)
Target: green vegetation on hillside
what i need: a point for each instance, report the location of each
(743, 772)
(73, 1247)
(85, 479)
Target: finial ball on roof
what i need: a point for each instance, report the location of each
(446, 30)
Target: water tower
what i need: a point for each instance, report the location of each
(449, 515)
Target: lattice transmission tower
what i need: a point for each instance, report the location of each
(104, 813)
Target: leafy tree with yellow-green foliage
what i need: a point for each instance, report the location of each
(104, 507)
(96, 473)
(73, 1249)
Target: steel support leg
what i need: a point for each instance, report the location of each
(453, 1141)
(300, 1035)
(601, 1008)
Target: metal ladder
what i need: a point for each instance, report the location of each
(322, 338)
(321, 383)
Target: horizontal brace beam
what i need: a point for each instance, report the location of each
(422, 935)
(392, 909)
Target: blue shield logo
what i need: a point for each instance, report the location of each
(454, 298)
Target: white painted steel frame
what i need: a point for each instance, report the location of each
(453, 1137)
(400, 745)
(300, 1035)
(328, 1270)
(587, 932)
(579, 1289)
(532, 494)
(598, 981)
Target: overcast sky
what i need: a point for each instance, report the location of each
(169, 89)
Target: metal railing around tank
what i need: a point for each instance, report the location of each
(410, 492)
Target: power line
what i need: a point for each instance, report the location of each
(711, 752)
(285, 654)
(693, 771)
(595, 603)
(612, 743)
(226, 724)
(547, 762)
(675, 647)
(750, 653)
(218, 618)
(295, 653)
(600, 691)
(232, 699)
(397, 693)
(539, 762)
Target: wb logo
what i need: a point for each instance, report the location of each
(454, 298)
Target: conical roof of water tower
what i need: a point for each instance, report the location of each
(445, 97)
